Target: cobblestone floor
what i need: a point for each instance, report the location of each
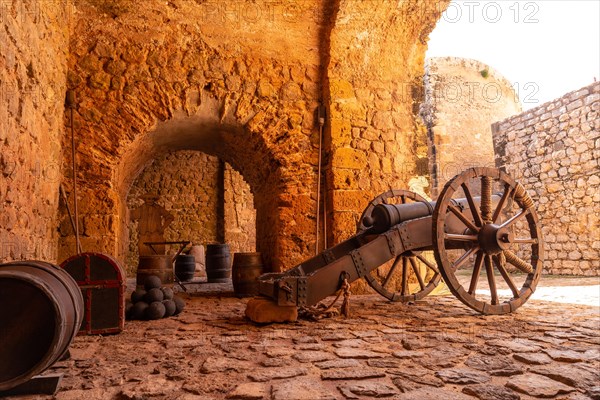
(434, 349)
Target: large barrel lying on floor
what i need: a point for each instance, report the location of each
(41, 312)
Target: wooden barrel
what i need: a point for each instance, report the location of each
(185, 266)
(246, 269)
(157, 264)
(218, 264)
(41, 312)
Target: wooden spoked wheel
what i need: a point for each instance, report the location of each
(413, 274)
(494, 228)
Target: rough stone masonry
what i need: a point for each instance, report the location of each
(187, 184)
(554, 150)
(179, 75)
(463, 97)
(34, 37)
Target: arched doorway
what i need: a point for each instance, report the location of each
(205, 154)
(207, 200)
(283, 236)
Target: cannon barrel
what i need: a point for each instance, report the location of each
(385, 216)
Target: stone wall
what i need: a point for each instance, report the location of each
(240, 213)
(186, 183)
(189, 77)
(554, 150)
(175, 76)
(33, 66)
(374, 79)
(463, 98)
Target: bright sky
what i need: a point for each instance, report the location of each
(546, 48)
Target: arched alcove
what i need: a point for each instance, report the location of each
(146, 88)
(218, 143)
(207, 200)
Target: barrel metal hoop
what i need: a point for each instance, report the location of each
(64, 297)
(359, 264)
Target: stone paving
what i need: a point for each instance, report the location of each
(434, 349)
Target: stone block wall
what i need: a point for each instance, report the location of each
(187, 185)
(374, 81)
(463, 97)
(240, 213)
(200, 76)
(34, 39)
(554, 150)
(197, 76)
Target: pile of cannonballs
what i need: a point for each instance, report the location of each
(153, 301)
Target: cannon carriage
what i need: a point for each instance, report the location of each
(481, 236)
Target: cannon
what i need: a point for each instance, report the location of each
(483, 223)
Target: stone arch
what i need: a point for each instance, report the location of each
(110, 167)
(137, 80)
(140, 71)
(203, 132)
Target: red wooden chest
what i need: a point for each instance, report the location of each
(102, 283)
